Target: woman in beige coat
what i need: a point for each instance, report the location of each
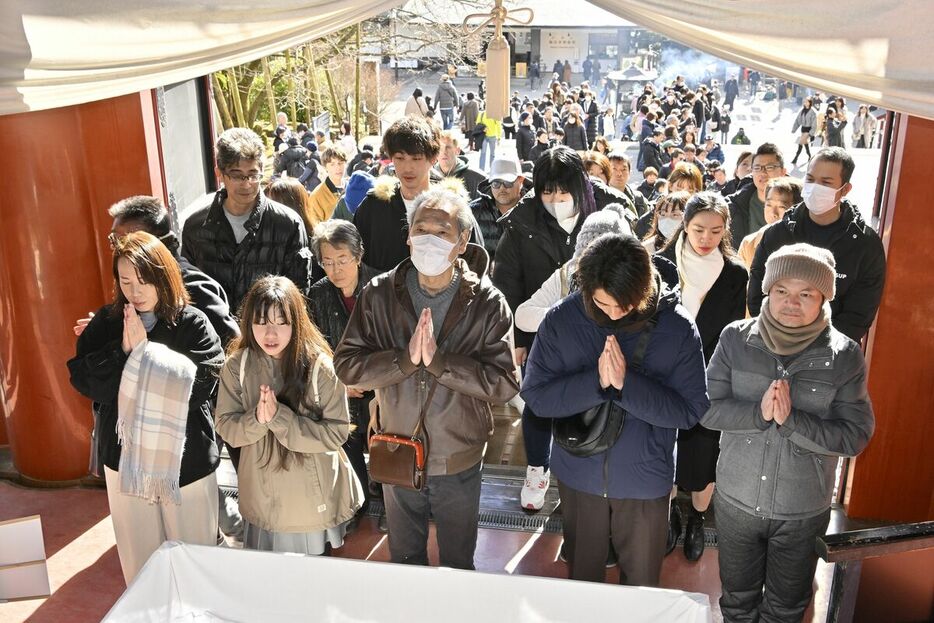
(281, 403)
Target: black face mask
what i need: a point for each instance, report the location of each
(632, 322)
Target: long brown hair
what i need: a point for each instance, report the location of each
(154, 265)
(266, 296)
(289, 192)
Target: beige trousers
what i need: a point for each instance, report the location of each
(140, 527)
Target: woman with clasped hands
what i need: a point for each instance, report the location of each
(152, 305)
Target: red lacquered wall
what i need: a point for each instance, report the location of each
(62, 169)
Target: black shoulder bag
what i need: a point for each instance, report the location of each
(597, 429)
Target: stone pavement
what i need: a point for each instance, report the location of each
(763, 122)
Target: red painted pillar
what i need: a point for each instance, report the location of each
(894, 478)
(62, 169)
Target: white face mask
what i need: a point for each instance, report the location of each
(430, 254)
(561, 210)
(667, 226)
(819, 199)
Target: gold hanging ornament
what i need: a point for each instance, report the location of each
(498, 66)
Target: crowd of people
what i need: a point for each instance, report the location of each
(400, 290)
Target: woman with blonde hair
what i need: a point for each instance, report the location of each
(686, 177)
(281, 403)
(597, 165)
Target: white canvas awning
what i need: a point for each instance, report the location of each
(55, 53)
(874, 51)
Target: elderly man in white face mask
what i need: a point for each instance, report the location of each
(828, 220)
(432, 338)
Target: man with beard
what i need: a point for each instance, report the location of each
(496, 197)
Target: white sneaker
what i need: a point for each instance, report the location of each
(536, 484)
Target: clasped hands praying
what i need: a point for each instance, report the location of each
(776, 402)
(422, 346)
(612, 365)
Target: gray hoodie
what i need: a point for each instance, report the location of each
(446, 96)
(785, 472)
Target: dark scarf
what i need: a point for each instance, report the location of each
(783, 340)
(634, 321)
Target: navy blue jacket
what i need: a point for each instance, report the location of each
(670, 392)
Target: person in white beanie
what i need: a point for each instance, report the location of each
(788, 391)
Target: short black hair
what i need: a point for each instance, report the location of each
(838, 154)
(414, 136)
(770, 149)
(150, 214)
(619, 265)
(301, 127)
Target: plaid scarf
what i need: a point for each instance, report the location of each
(152, 412)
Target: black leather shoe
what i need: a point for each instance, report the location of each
(674, 527)
(383, 524)
(694, 537)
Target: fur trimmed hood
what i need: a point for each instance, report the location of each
(385, 186)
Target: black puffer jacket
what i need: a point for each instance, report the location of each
(275, 244)
(532, 247)
(208, 296)
(97, 368)
(292, 161)
(575, 136)
(383, 226)
(327, 311)
(488, 215)
(860, 260)
(525, 140)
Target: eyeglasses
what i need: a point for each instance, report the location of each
(768, 168)
(341, 263)
(502, 184)
(250, 177)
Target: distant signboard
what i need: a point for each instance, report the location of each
(323, 122)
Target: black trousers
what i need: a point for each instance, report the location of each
(757, 553)
(454, 503)
(355, 446)
(637, 528)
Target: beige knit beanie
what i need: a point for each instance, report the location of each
(805, 262)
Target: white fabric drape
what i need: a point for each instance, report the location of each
(57, 52)
(874, 51)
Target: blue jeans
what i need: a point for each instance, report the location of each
(487, 150)
(447, 117)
